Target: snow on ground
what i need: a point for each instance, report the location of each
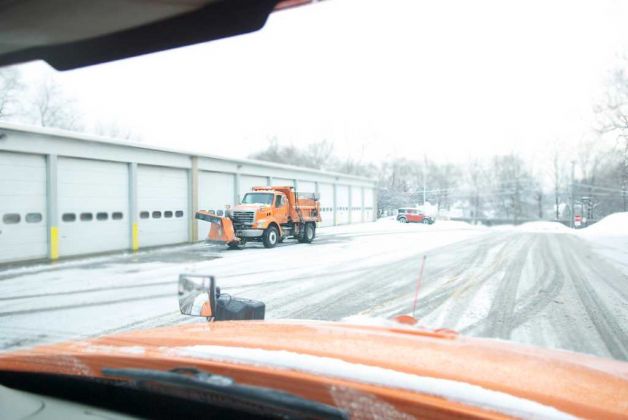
(528, 284)
(96, 295)
(609, 237)
(544, 226)
(612, 225)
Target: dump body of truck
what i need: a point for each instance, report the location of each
(268, 215)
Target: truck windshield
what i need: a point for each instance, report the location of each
(258, 198)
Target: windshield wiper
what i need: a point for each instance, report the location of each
(282, 404)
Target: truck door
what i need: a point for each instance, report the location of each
(281, 209)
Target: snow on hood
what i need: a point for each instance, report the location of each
(462, 392)
(241, 207)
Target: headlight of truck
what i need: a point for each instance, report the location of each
(260, 223)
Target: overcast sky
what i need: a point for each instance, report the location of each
(378, 78)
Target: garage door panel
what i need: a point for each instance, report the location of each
(342, 204)
(369, 204)
(356, 204)
(23, 224)
(162, 200)
(216, 190)
(93, 203)
(249, 181)
(307, 186)
(283, 182)
(326, 192)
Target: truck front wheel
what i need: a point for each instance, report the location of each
(308, 234)
(270, 237)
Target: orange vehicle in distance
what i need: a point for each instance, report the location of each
(268, 215)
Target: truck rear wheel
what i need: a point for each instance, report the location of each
(308, 234)
(270, 237)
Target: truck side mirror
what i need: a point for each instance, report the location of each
(199, 296)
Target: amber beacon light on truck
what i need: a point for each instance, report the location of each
(268, 215)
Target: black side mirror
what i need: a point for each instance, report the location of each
(199, 296)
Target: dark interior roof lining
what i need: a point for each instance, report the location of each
(33, 23)
(216, 20)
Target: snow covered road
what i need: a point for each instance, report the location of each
(538, 286)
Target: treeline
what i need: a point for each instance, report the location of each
(497, 187)
(586, 177)
(44, 103)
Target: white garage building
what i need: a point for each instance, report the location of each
(66, 194)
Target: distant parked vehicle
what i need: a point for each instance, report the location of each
(413, 215)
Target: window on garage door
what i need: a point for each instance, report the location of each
(33, 217)
(68, 217)
(11, 218)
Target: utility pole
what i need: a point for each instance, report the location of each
(572, 212)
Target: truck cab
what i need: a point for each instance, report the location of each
(257, 211)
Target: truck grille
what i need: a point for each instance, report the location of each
(244, 218)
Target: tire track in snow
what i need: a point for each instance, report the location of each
(87, 305)
(90, 290)
(439, 272)
(546, 287)
(500, 315)
(611, 332)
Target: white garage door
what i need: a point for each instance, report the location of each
(369, 205)
(356, 204)
(216, 190)
(342, 204)
(326, 192)
(162, 203)
(249, 181)
(23, 229)
(283, 182)
(93, 206)
(306, 186)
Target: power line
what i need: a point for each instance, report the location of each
(597, 187)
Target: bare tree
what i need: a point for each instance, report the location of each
(10, 85)
(318, 154)
(51, 108)
(277, 153)
(538, 197)
(557, 169)
(117, 131)
(444, 177)
(613, 115)
(513, 182)
(590, 158)
(478, 180)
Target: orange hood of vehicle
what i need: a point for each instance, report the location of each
(402, 367)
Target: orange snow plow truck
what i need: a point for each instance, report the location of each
(266, 214)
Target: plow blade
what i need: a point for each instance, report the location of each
(221, 231)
